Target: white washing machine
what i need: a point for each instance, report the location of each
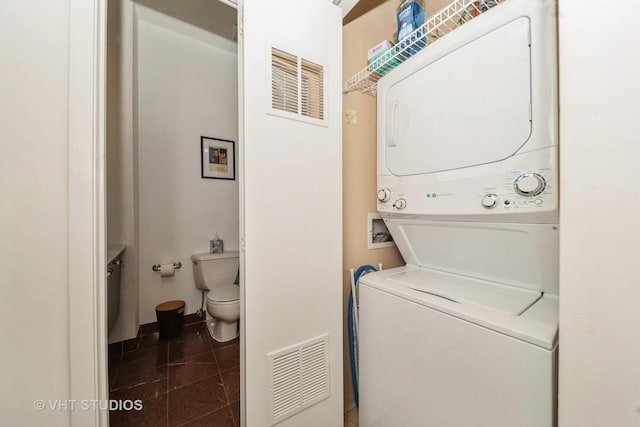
(446, 349)
(466, 334)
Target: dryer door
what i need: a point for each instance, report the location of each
(468, 107)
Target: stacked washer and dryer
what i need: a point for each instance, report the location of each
(466, 334)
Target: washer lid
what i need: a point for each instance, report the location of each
(465, 290)
(224, 293)
(523, 314)
(521, 255)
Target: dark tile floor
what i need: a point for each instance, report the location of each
(190, 380)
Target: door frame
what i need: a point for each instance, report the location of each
(87, 320)
(87, 235)
(241, 210)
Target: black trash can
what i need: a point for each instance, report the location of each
(170, 317)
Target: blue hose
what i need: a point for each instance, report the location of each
(352, 350)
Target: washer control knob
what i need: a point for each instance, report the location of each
(384, 194)
(529, 184)
(489, 201)
(400, 204)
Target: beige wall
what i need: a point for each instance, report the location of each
(359, 155)
(359, 161)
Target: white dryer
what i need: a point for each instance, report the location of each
(466, 334)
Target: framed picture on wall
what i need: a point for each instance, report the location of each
(217, 158)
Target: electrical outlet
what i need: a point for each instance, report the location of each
(351, 117)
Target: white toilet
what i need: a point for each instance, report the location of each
(216, 273)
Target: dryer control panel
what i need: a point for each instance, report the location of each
(519, 190)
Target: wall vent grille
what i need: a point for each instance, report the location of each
(284, 81)
(297, 86)
(298, 377)
(312, 90)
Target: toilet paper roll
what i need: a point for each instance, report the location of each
(167, 270)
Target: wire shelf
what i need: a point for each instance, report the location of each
(443, 22)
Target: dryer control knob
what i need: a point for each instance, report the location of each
(384, 194)
(529, 184)
(489, 200)
(400, 204)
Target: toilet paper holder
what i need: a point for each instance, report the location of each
(156, 267)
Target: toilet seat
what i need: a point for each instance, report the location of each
(224, 294)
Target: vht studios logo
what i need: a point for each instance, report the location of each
(88, 405)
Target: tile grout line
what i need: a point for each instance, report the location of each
(115, 376)
(233, 418)
(215, 356)
(168, 364)
(206, 414)
(224, 388)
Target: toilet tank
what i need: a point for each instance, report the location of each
(212, 270)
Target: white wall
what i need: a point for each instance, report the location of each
(48, 134)
(600, 215)
(33, 218)
(186, 88)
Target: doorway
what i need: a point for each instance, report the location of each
(172, 73)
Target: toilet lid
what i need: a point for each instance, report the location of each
(224, 293)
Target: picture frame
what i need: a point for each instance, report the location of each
(217, 158)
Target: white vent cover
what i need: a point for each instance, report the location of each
(298, 377)
(297, 87)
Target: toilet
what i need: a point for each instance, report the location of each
(216, 273)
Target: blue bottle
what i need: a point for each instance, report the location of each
(410, 18)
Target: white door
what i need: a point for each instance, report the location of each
(291, 212)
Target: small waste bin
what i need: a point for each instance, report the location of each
(170, 317)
